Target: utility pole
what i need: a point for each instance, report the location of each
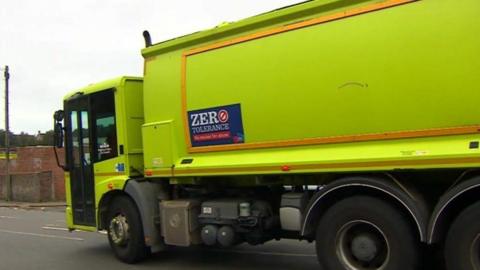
(7, 139)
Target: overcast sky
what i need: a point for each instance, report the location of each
(56, 46)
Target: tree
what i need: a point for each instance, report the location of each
(47, 139)
(25, 139)
(2, 138)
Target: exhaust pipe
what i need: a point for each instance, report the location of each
(148, 38)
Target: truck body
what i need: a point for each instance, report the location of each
(302, 93)
(351, 123)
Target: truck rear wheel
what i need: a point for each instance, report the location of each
(462, 246)
(125, 232)
(365, 233)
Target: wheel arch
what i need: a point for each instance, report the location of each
(104, 205)
(385, 187)
(145, 196)
(450, 205)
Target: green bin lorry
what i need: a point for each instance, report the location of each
(353, 124)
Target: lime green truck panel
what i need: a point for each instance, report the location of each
(408, 68)
(158, 137)
(129, 107)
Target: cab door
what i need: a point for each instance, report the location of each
(79, 156)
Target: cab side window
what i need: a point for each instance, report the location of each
(103, 108)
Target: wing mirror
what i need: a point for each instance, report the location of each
(58, 129)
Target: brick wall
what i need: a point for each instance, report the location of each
(29, 187)
(31, 160)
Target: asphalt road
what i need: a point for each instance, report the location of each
(34, 239)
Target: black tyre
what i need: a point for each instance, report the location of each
(462, 246)
(365, 233)
(125, 231)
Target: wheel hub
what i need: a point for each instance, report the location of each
(361, 245)
(365, 247)
(119, 232)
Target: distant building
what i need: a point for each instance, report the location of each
(40, 136)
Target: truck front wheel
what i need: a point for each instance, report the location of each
(125, 232)
(365, 233)
(462, 246)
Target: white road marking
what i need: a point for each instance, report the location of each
(54, 225)
(42, 235)
(54, 228)
(7, 217)
(265, 253)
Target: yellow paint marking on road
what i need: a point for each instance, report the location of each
(42, 235)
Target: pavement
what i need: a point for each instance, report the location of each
(34, 236)
(26, 205)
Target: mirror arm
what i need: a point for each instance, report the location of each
(64, 168)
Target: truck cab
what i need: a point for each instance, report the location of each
(100, 154)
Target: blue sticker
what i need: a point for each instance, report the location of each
(120, 167)
(216, 126)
